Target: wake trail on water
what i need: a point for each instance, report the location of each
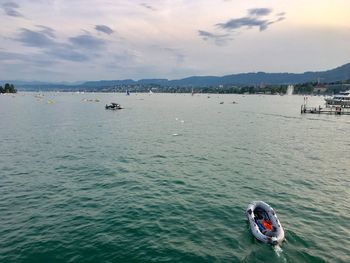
(279, 252)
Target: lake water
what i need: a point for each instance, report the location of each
(168, 178)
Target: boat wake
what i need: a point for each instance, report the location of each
(279, 252)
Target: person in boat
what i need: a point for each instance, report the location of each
(265, 224)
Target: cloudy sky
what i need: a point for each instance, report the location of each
(73, 40)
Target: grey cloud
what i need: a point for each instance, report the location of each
(275, 21)
(44, 39)
(66, 53)
(253, 19)
(10, 56)
(256, 17)
(104, 29)
(34, 38)
(279, 19)
(25, 58)
(259, 11)
(145, 5)
(87, 41)
(48, 31)
(244, 22)
(219, 39)
(10, 9)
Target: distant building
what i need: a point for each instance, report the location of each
(320, 88)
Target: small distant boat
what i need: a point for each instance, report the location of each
(264, 223)
(113, 106)
(39, 96)
(221, 102)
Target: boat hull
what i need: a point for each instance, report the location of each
(274, 236)
(113, 106)
(342, 100)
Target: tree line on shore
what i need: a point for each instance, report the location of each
(301, 89)
(306, 88)
(8, 88)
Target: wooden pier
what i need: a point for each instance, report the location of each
(337, 110)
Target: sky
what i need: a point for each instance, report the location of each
(77, 40)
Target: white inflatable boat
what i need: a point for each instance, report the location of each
(264, 223)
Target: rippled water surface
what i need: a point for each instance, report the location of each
(168, 178)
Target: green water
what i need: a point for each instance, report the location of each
(82, 184)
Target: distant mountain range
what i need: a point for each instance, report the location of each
(337, 74)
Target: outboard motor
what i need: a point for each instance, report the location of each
(274, 241)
